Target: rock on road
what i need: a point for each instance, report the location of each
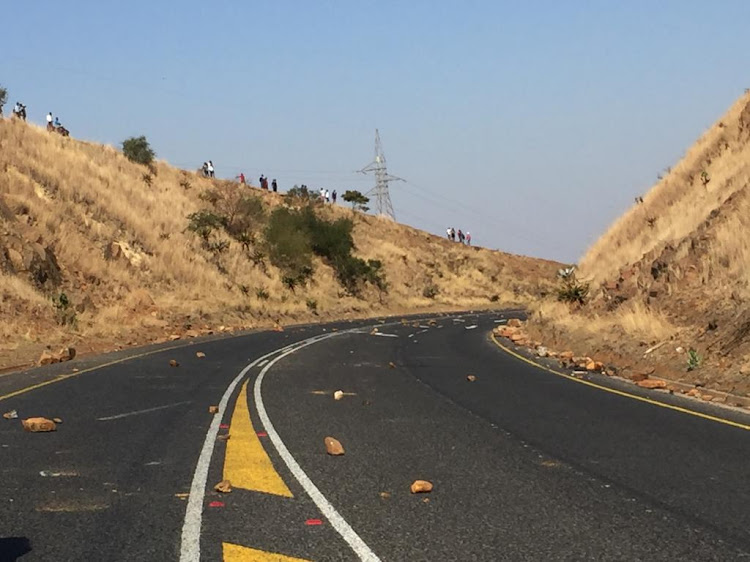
(524, 464)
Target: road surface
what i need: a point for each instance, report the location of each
(526, 464)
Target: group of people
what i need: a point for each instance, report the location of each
(208, 169)
(328, 196)
(264, 183)
(458, 236)
(19, 110)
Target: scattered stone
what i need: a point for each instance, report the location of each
(200, 355)
(223, 437)
(58, 421)
(425, 500)
(334, 447)
(514, 323)
(542, 351)
(421, 487)
(225, 486)
(566, 355)
(12, 415)
(694, 392)
(278, 327)
(192, 333)
(173, 363)
(39, 425)
(174, 337)
(338, 395)
(391, 365)
(213, 409)
(592, 365)
(517, 337)
(373, 331)
(652, 384)
(385, 495)
(638, 377)
(680, 349)
(471, 378)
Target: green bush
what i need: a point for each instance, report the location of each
(138, 150)
(693, 360)
(64, 311)
(289, 246)
(203, 223)
(301, 195)
(571, 290)
(356, 198)
(262, 293)
(312, 305)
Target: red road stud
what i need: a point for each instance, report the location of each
(224, 426)
(262, 434)
(313, 522)
(216, 504)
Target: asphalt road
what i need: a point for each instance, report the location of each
(526, 465)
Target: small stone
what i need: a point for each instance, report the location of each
(57, 420)
(13, 414)
(200, 355)
(391, 365)
(173, 363)
(471, 378)
(338, 395)
(566, 355)
(425, 500)
(225, 486)
(47, 358)
(693, 392)
(385, 495)
(421, 487)
(223, 437)
(334, 447)
(39, 425)
(542, 351)
(652, 384)
(174, 337)
(278, 327)
(213, 409)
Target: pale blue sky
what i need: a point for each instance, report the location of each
(532, 124)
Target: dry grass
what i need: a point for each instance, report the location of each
(78, 198)
(679, 202)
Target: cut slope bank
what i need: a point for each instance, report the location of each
(95, 252)
(674, 271)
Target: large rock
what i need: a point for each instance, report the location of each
(38, 425)
(421, 487)
(334, 447)
(652, 384)
(514, 323)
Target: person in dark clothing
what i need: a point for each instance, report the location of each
(460, 236)
(334, 195)
(274, 186)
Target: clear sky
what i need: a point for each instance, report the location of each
(532, 124)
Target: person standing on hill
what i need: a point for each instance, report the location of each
(49, 120)
(468, 238)
(274, 186)
(460, 236)
(334, 195)
(242, 178)
(210, 169)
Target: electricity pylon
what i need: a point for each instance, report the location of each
(383, 205)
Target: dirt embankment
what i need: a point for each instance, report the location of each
(95, 253)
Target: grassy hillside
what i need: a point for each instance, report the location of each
(674, 269)
(95, 251)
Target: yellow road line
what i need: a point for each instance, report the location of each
(246, 464)
(61, 378)
(236, 553)
(621, 392)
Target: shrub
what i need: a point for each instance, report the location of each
(203, 223)
(693, 360)
(300, 195)
(64, 311)
(571, 290)
(3, 97)
(262, 293)
(356, 198)
(430, 291)
(312, 305)
(137, 149)
(289, 246)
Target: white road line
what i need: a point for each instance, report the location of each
(190, 549)
(146, 411)
(262, 362)
(339, 523)
(382, 335)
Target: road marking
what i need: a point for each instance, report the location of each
(190, 546)
(339, 523)
(61, 378)
(622, 392)
(246, 463)
(146, 411)
(382, 335)
(262, 362)
(236, 553)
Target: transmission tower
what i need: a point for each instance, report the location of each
(380, 193)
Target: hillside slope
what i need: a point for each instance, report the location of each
(95, 253)
(676, 267)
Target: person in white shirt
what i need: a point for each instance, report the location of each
(49, 118)
(210, 169)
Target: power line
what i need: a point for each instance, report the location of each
(383, 203)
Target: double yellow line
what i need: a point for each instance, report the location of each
(621, 392)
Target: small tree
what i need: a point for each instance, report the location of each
(137, 149)
(357, 199)
(3, 98)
